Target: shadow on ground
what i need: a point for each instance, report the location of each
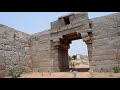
(79, 69)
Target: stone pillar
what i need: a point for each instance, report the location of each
(63, 59)
(66, 58)
(55, 55)
(89, 46)
(59, 55)
(56, 60)
(88, 40)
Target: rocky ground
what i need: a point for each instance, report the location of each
(83, 73)
(56, 75)
(73, 74)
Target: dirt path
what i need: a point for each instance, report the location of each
(72, 75)
(57, 75)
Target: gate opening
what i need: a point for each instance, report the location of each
(78, 56)
(73, 53)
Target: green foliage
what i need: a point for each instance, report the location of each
(116, 69)
(74, 56)
(16, 71)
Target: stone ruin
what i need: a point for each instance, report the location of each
(48, 50)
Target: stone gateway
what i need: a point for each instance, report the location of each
(47, 51)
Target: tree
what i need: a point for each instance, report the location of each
(74, 57)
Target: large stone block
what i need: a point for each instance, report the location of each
(104, 47)
(104, 52)
(42, 69)
(106, 35)
(72, 18)
(42, 54)
(86, 38)
(104, 62)
(101, 42)
(56, 69)
(55, 24)
(41, 59)
(46, 64)
(103, 67)
(107, 67)
(81, 15)
(106, 21)
(105, 57)
(56, 63)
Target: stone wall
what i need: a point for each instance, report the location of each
(106, 42)
(40, 51)
(67, 28)
(14, 50)
(48, 50)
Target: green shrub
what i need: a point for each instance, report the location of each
(16, 71)
(74, 57)
(116, 69)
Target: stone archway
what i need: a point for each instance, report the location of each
(61, 46)
(63, 31)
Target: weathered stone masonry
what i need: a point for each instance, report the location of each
(14, 50)
(48, 50)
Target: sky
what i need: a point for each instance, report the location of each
(34, 22)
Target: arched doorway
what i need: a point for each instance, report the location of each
(78, 56)
(60, 57)
(63, 31)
